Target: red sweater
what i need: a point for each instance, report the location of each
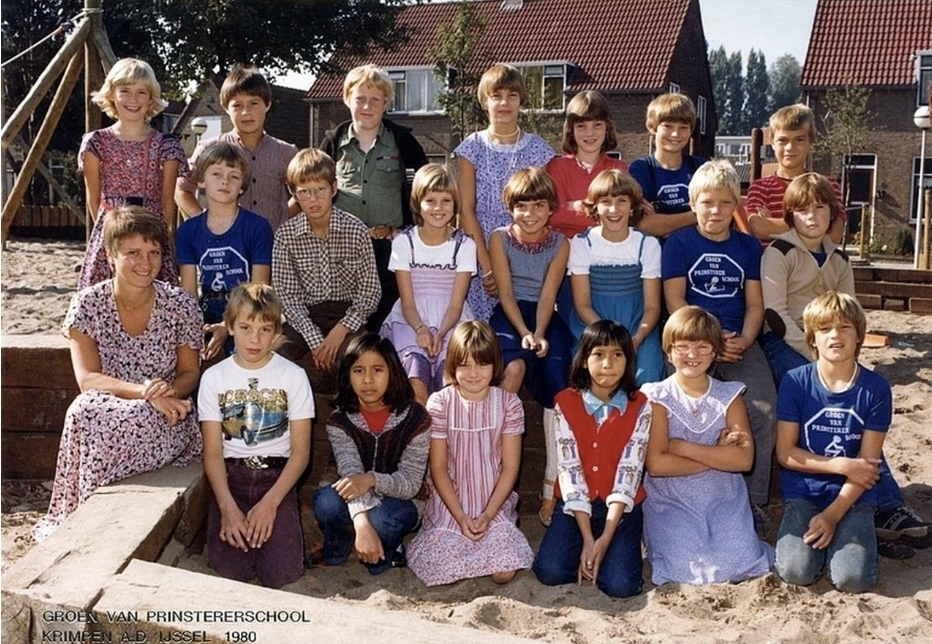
(600, 448)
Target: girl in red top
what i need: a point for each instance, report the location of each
(602, 431)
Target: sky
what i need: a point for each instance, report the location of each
(776, 27)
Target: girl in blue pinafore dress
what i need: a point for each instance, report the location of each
(433, 263)
(615, 271)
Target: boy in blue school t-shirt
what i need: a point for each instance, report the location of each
(717, 268)
(225, 245)
(833, 416)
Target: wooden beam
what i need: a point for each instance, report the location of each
(54, 184)
(52, 71)
(34, 157)
(107, 57)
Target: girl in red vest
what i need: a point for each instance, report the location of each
(602, 432)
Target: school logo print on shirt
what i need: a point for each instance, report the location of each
(674, 195)
(254, 415)
(834, 431)
(716, 275)
(224, 267)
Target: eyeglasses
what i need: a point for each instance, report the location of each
(303, 194)
(701, 349)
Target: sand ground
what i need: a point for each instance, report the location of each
(38, 279)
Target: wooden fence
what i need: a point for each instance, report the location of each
(48, 222)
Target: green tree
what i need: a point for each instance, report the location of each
(728, 90)
(784, 82)
(846, 120)
(459, 62)
(757, 88)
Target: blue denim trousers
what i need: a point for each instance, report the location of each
(780, 356)
(557, 560)
(850, 559)
(392, 520)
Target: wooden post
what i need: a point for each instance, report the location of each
(757, 144)
(52, 71)
(57, 106)
(862, 252)
(926, 261)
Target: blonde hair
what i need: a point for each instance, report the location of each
(806, 189)
(588, 105)
(530, 184)
(829, 308)
(310, 164)
(692, 324)
(256, 300)
(368, 75)
(474, 338)
(501, 77)
(794, 117)
(433, 177)
(614, 183)
(715, 175)
(127, 71)
(671, 108)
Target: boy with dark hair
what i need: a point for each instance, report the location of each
(246, 97)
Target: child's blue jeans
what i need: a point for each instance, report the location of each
(557, 561)
(392, 520)
(850, 559)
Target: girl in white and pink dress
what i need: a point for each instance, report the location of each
(469, 526)
(433, 263)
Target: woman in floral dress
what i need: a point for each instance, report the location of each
(134, 347)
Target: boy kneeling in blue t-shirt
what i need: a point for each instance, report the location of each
(832, 417)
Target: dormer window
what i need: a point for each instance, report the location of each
(546, 85)
(415, 90)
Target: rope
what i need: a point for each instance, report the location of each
(60, 30)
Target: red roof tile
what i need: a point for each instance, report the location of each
(867, 42)
(615, 45)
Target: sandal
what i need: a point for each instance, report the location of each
(545, 514)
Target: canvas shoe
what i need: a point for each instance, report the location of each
(902, 525)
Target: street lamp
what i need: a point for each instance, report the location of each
(923, 122)
(198, 125)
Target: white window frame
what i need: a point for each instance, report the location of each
(923, 76)
(548, 70)
(401, 86)
(914, 189)
(674, 88)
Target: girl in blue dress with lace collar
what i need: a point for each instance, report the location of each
(698, 525)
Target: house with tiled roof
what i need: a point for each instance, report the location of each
(629, 50)
(886, 46)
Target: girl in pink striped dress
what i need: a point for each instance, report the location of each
(469, 526)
